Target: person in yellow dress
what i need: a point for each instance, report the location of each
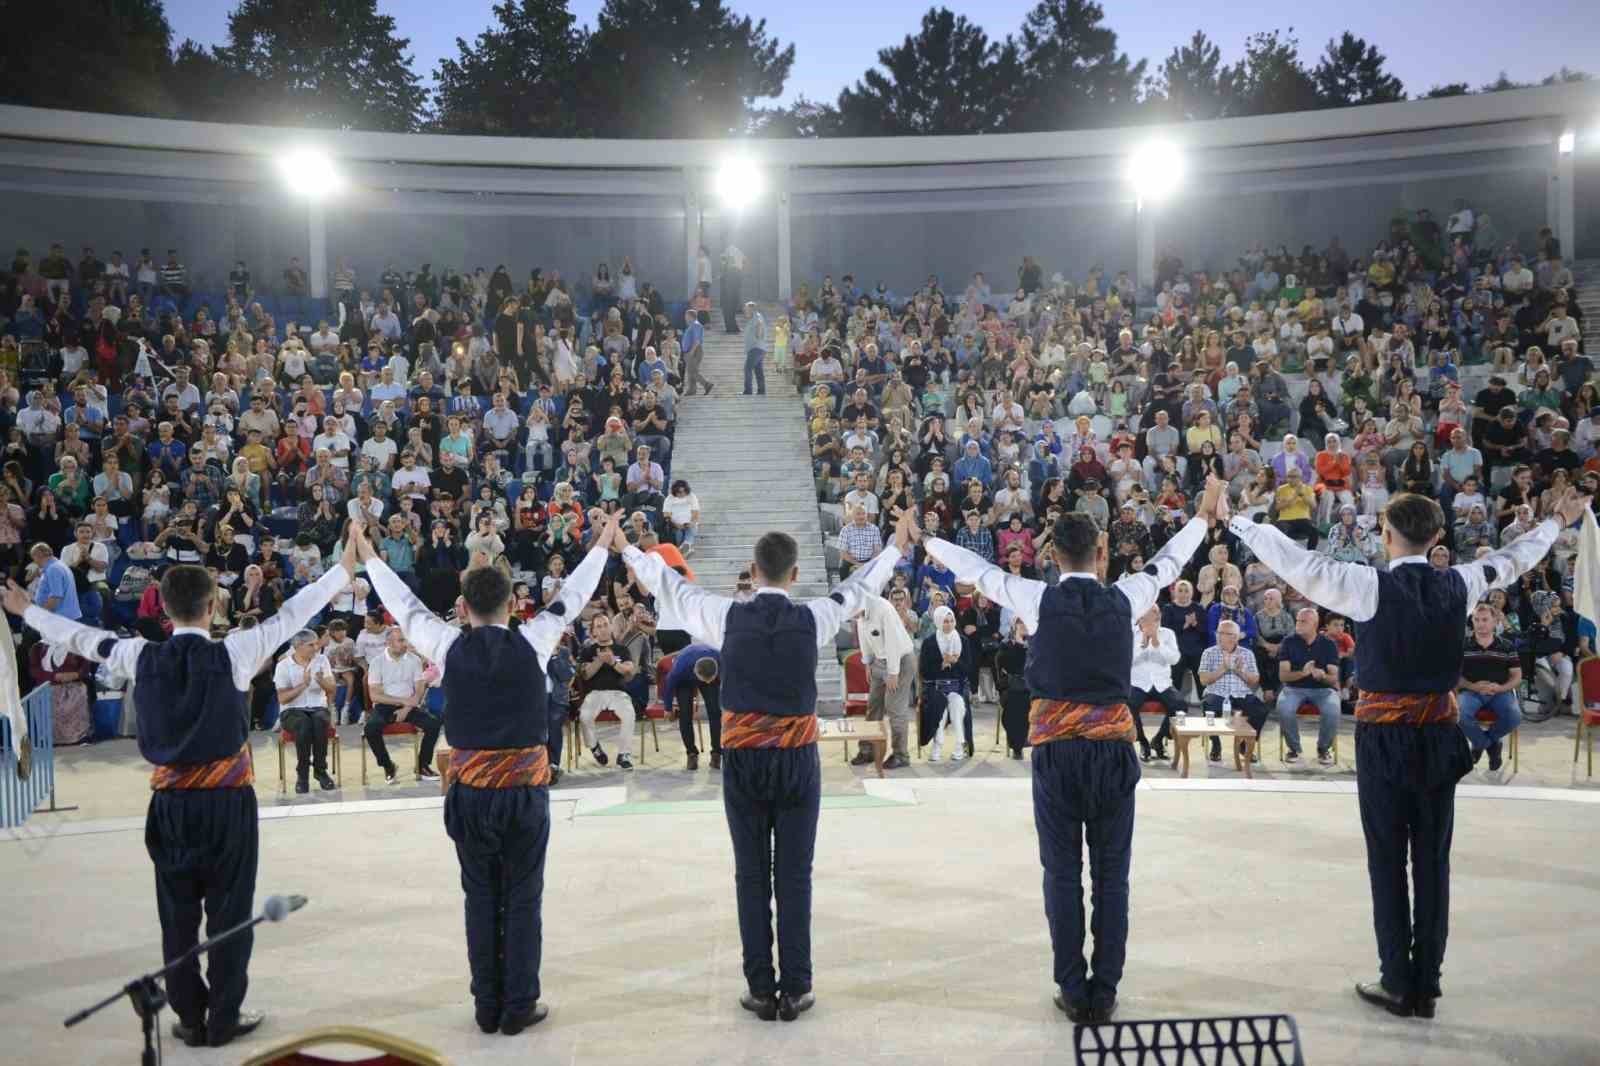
(780, 344)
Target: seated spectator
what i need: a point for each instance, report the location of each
(1292, 506)
(605, 672)
(1308, 667)
(1335, 478)
(1155, 653)
(396, 692)
(1491, 674)
(305, 683)
(859, 542)
(1228, 673)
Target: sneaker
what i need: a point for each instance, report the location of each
(936, 754)
(1325, 758)
(1496, 754)
(709, 387)
(1291, 757)
(391, 776)
(623, 762)
(599, 754)
(957, 754)
(863, 758)
(896, 762)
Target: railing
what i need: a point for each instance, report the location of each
(20, 797)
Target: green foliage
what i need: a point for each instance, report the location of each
(519, 78)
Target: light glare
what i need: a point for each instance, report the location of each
(1155, 171)
(1567, 142)
(310, 173)
(738, 183)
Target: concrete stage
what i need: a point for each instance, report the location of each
(930, 937)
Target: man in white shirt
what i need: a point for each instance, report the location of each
(324, 339)
(387, 387)
(890, 657)
(1516, 282)
(862, 496)
(365, 506)
(395, 693)
(411, 480)
(88, 558)
(181, 387)
(1155, 653)
(500, 425)
(305, 683)
(335, 442)
(380, 447)
(38, 423)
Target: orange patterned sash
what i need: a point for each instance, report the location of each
(752, 729)
(500, 767)
(236, 771)
(1406, 708)
(1064, 720)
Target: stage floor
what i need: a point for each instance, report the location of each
(930, 943)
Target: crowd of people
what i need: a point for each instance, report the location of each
(1317, 384)
(467, 421)
(463, 420)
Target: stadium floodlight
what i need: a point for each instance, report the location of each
(739, 183)
(1566, 142)
(1155, 171)
(310, 173)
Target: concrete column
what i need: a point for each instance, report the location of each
(1145, 262)
(785, 254)
(691, 230)
(317, 253)
(1564, 216)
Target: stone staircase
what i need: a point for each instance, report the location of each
(749, 461)
(1586, 279)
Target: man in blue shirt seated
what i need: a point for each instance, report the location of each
(1308, 666)
(696, 669)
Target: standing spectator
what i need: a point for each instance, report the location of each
(692, 346)
(1229, 672)
(696, 670)
(89, 562)
(733, 266)
(890, 657)
(755, 350)
(57, 590)
(174, 277)
(1308, 666)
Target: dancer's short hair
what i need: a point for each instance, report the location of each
(486, 590)
(1075, 536)
(186, 592)
(776, 554)
(1416, 519)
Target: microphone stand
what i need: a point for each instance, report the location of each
(148, 997)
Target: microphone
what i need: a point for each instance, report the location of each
(277, 908)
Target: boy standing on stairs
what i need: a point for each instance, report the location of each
(772, 777)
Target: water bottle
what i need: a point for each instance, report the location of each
(1227, 709)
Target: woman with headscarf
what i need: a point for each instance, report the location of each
(1348, 541)
(946, 664)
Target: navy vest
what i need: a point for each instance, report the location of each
(1414, 643)
(1083, 648)
(189, 710)
(494, 691)
(769, 657)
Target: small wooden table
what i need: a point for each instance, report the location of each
(844, 730)
(1186, 728)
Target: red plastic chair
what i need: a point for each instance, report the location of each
(1485, 716)
(397, 729)
(1588, 682)
(286, 738)
(857, 686)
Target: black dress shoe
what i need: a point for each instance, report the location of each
(716, 760)
(1101, 1013)
(970, 749)
(301, 787)
(192, 1035)
(863, 758)
(427, 773)
(763, 1007)
(1077, 1012)
(515, 1022)
(247, 1022)
(1426, 1006)
(1379, 996)
(1496, 753)
(693, 761)
(791, 1007)
(555, 776)
(1144, 751)
(896, 762)
(488, 1019)
(326, 782)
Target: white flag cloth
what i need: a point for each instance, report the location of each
(11, 699)
(1586, 579)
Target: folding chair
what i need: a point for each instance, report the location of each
(1485, 716)
(285, 738)
(396, 729)
(1587, 688)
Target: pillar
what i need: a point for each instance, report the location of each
(317, 252)
(692, 238)
(1564, 216)
(785, 266)
(1145, 262)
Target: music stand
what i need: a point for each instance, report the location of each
(1249, 1040)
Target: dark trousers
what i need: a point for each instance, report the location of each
(1254, 711)
(772, 797)
(1170, 698)
(1083, 794)
(383, 715)
(309, 725)
(732, 283)
(1397, 816)
(711, 696)
(500, 837)
(204, 846)
(557, 727)
(1300, 527)
(1188, 667)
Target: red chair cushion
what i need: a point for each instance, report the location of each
(1307, 710)
(655, 711)
(288, 737)
(1153, 707)
(856, 707)
(1484, 715)
(398, 728)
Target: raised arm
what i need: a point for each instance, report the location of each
(1348, 588)
(97, 645)
(1142, 588)
(424, 630)
(249, 649)
(544, 631)
(1501, 569)
(849, 596)
(680, 603)
(1020, 594)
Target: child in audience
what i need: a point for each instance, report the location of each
(306, 558)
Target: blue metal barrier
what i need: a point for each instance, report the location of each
(20, 798)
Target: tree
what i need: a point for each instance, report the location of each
(1351, 72)
(803, 118)
(326, 63)
(1272, 79)
(1454, 88)
(519, 78)
(1194, 84)
(677, 68)
(1074, 77)
(949, 78)
(205, 88)
(87, 55)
